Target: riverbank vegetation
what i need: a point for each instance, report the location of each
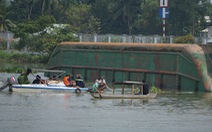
(16, 62)
(39, 25)
(154, 89)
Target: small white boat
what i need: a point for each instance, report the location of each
(45, 87)
(49, 85)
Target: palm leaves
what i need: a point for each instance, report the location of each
(5, 24)
(125, 10)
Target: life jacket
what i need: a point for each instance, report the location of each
(66, 80)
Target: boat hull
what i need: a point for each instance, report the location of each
(115, 96)
(44, 87)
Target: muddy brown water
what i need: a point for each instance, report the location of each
(70, 112)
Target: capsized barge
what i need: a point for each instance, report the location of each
(168, 66)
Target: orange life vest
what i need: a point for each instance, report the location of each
(66, 80)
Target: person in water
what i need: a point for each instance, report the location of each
(23, 78)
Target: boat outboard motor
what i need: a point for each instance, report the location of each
(8, 83)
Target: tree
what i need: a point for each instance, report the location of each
(59, 10)
(21, 10)
(45, 43)
(46, 7)
(81, 19)
(148, 21)
(124, 11)
(184, 19)
(206, 9)
(27, 30)
(6, 24)
(3, 7)
(41, 36)
(101, 10)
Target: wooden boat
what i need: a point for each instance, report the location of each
(119, 96)
(124, 95)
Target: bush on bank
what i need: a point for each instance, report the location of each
(16, 61)
(187, 39)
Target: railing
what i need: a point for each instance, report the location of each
(8, 37)
(133, 38)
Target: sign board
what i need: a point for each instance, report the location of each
(163, 3)
(163, 12)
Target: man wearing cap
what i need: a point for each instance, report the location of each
(23, 78)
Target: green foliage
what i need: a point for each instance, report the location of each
(187, 39)
(3, 45)
(34, 35)
(29, 19)
(155, 89)
(124, 12)
(27, 28)
(148, 22)
(46, 42)
(6, 24)
(16, 57)
(14, 61)
(81, 20)
(13, 69)
(3, 7)
(19, 70)
(184, 19)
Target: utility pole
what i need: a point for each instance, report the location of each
(163, 13)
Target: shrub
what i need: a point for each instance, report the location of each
(15, 62)
(187, 39)
(155, 89)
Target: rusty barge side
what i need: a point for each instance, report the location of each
(168, 66)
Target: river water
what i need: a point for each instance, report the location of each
(69, 112)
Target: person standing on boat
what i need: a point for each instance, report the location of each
(145, 88)
(23, 78)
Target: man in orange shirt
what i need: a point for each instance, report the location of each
(66, 80)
